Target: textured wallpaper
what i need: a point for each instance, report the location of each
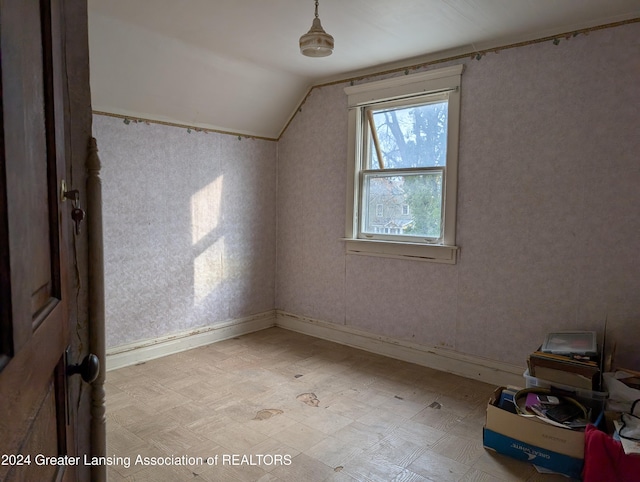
(189, 228)
(548, 217)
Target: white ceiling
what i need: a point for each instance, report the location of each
(235, 66)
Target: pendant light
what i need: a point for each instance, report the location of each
(316, 42)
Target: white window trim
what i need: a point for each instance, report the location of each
(445, 79)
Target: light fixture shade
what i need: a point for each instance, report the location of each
(316, 42)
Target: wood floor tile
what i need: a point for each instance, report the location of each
(464, 450)
(503, 468)
(237, 437)
(299, 436)
(332, 412)
(334, 452)
(177, 440)
(359, 435)
(326, 421)
(383, 421)
(419, 434)
(437, 417)
(400, 406)
(235, 473)
(474, 475)
(339, 475)
(272, 425)
(274, 447)
(396, 449)
(302, 468)
(407, 476)
(367, 395)
(164, 474)
(365, 468)
(460, 406)
(437, 467)
(121, 441)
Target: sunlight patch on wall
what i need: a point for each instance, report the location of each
(207, 271)
(205, 209)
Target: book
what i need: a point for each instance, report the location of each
(539, 410)
(586, 361)
(563, 412)
(563, 377)
(506, 400)
(565, 370)
(532, 399)
(541, 413)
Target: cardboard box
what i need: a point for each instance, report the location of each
(529, 439)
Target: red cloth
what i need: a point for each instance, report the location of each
(605, 460)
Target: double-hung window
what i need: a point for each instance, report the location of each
(403, 166)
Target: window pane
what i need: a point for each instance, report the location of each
(411, 204)
(414, 136)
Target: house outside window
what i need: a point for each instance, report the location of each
(403, 150)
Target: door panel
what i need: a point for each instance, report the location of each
(25, 381)
(34, 225)
(35, 201)
(39, 441)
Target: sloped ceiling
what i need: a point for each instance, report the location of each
(235, 66)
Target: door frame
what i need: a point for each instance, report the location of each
(96, 308)
(83, 173)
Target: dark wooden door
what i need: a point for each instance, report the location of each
(36, 427)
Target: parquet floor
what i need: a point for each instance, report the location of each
(280, 406)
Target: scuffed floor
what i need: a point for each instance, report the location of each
(280, 406)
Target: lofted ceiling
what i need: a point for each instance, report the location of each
(235, 66)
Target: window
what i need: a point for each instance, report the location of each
(403, 166)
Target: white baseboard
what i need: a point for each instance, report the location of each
(469, 366)
(141, 351)
(478, 368)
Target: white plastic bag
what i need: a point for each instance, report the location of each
(620, 395)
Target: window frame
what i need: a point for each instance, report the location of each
(398, 89)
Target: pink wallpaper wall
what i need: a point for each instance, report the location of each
(548, 217)
(189, 228)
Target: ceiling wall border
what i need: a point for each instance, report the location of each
(190, 128)
(469, 54)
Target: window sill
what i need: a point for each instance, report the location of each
(409, 251)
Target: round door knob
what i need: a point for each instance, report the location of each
(88, 369)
